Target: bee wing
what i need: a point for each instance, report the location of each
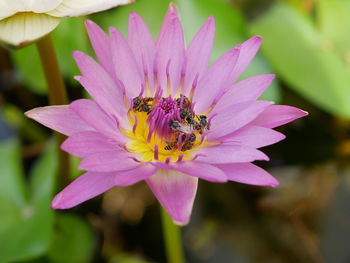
(185, 128)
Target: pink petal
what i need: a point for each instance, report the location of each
(249, 48)
(125, 66)
(277, 115)
(176, 193)
(215, 80)
(83, 188)
(248, 173)
(72, 8)
(198, 54)
(254, 136)
(230, 153)
(117, 160)
(129, 177)
(201, 170)
(100, 43)
(82, 144)
(138, 32)
(171, 12)
(90, 112)
(100, 86)
(225, 74)
(170, 55)
(92, 184)
(245, 90)
(234, 117)
(59, 118)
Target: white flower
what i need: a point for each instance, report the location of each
(23, 21)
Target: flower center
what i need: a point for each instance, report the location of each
(165, 129)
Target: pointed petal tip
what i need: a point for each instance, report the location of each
(89, 23)
(114, 32)
(173, 8)
(298, 113)
(56, 202)
(31, 113)
(78, 78)
(82, 166)
(263, 157)
(209, 25)
(271, 76)
(304, 113)
(134, 15)
(274, 184)
(66, 146)
(211, 19)
(282, 137)
(91, 26)
(257, 38)
(77, 54)
(182, 222)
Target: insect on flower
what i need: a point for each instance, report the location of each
(159, 114)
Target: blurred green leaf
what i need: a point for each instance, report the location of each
(229, 23)
(27, 128)
(334, 21)
(74, 167)
(30, 235)
(73, 241)
(230, 31)
(10, 214)
(125, 258)
(43, 176)
(70, 35)
(12, 184)
(29, 70)
(301, 57)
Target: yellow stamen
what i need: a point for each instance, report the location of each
(144, 150)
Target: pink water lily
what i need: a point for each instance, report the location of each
(159, 114)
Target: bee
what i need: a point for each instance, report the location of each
(170, 145)
(186, 113)
(192, 137)
(203, 120)
(188, 142)
(186, 146)
(142, 104)
(186, 103)
(180, 127)
(136, 102)
(202, 125)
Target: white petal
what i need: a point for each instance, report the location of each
(42, 6)
(15, 5)
(26, 27)
(6, 9)
(69, 8)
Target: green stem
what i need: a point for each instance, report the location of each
(172, 238)
(57, 95)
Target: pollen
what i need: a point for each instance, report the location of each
(165, 129)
